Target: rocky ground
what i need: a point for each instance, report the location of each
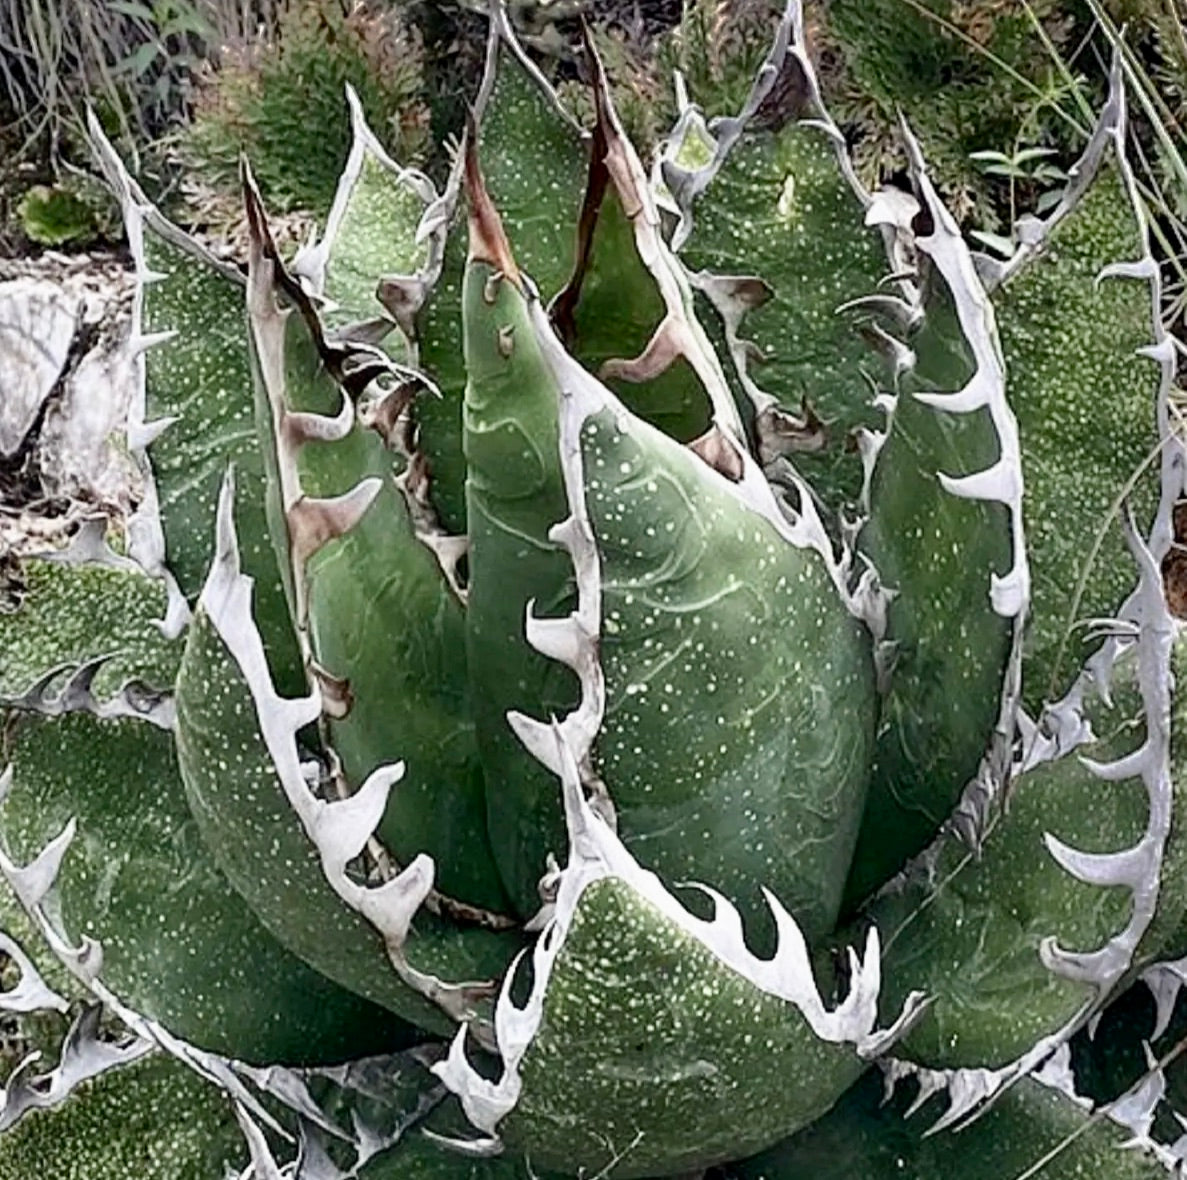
(66, 378)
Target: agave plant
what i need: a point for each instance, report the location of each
(596, 685)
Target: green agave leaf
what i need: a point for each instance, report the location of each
(154, 1119)
(1031, 1126)
(371, 264)
(193, 413)
(780, 247)
(1018, 946)
(514, 495)
(179, 945)
(653, 1040)
(611, 310)
(420, 1158)
(1077, 310)
(43, 986)
(708, 602)
(534, 156)
(943, 532)
(629, 312)
(364, 565)
(736, 588)
(78, 605)
(284, 848)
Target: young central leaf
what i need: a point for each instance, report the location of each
(513, 497)
(738, 732)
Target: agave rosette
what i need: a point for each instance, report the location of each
(616, 686)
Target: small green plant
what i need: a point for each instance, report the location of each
(970, 77)
(598, 683)
(280, 100)
(54, 216)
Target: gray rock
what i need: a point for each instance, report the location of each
(63, 332)
(38, 323)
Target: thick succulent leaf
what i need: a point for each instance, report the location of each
(629, 311)
(737, 736)
(421, 1158)
(774, 199)
(706, 590)
(938, 553)
(617, 310)
(154, 1119)
(1017, 943)
(1031, 1126)
(1077, 311)
(514, 495)
(653, 1040)
(179, 944)
(82, 604)
(991, 914)
(193, 412)
(363, 566)
(371, 264)
(285, 849)
(534, 156)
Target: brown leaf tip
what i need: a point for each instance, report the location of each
(488, 241)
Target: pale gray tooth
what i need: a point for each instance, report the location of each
(1001, 482)
(32, 882)
(1130, 766)
(1165, 981)
(1105, 869)
(560, 639)
(475, 1149)
(141, 435)
(392, 906)
(342, 828)
(30, 993)
(1144, 269)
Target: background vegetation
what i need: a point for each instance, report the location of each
(999, 92)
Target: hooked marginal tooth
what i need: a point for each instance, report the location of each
(892, 206)
(559, 639)
(299, 712)
(1088, 967)
(300, 427)
(538, 739)
(314, 522)
(1000, 483)
(342, 828)
(979, 392)
(1009, 595)
(391, 907)
(930, 1084)
(1131, 766)
(901, 311)
(1144, 268)
(35, 880)
(976, 1086)
(143, 341)
(1100, 868)
(142, 435)
(1163, 352)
